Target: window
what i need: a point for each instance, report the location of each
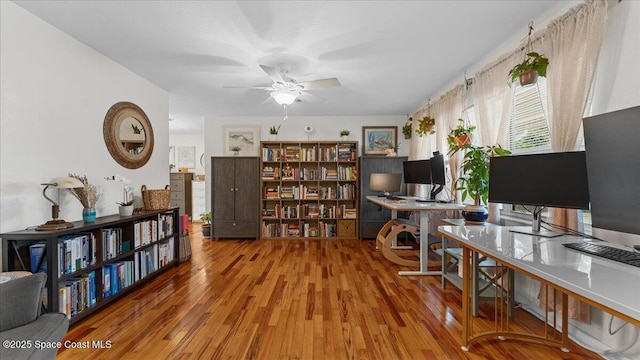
(529, 127)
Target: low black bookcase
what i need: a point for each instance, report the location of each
(91, 265)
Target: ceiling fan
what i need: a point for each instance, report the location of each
(285, 90)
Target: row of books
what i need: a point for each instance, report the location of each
(302, 192)
(309, 210)
(166, 253)
(309, 174)
(117, 276)
(339, 152)
(145, 232)
(113, 244)
(146, 262)
(76, 252)
(166, 225)
(299, 229)
(77, 294)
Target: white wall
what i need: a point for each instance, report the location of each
(55, 92)
(326, 128)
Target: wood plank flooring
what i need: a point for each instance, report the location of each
(293, 299)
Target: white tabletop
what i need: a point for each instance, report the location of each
(612, 284)
(409, 203)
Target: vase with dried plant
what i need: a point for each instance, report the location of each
(88, 195)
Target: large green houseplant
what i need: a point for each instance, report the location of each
(474, 178)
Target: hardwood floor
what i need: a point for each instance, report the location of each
(294, 299)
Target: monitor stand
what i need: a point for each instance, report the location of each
(535, 226)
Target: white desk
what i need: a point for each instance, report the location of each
(423, 209)
(608, 285)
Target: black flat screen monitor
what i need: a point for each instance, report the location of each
(385, 183)
(417, 172)
(540, 180)
(437, 170)
(612, 143)
(551, 179)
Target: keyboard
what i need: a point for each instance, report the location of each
(391, 197)
(608, 252)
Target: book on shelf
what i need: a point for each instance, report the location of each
(350, 213)
(38, 258)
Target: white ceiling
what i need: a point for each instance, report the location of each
(390, 56)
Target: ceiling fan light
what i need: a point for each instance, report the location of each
(285, 96)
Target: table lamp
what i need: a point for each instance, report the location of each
(60, 183)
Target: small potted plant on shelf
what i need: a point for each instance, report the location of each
(273, 132)
(474, 178)
(344, 134)
(426, 126)
(206, 226)
(406, 129)
(527, 71)
(236, 150)
(126, 206)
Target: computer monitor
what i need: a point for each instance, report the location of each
(417, 172)
(612, 146)
(540, 180)
(385, 183)
(438, 178)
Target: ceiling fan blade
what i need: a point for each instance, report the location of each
(310, 98)
(320, 84)
(249, 87)
(274, 73)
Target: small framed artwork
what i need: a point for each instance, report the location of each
(243, 140)
(187, 157)
(377, 139)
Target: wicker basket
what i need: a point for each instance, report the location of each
(156, 199)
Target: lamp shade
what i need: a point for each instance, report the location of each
(65, 182)
(285, 96)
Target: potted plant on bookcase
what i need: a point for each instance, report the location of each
(474, 178)
(206, 226)
(344, 134)
(273, 132)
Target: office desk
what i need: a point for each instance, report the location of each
(608, 285)
(423, 209)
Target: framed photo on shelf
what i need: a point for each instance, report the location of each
(242, 140)
(377, 139)
(186, 157)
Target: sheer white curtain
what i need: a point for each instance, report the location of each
(572, 44)
(446, 110)
(492, 105)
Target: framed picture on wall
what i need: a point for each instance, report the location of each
(187, 157)
(377, 139)
(242, 140)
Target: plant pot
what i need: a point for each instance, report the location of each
(206, 230)
(462, 140)
(344, 137)
(407, 136)
(126, 210)
(273, 137)
(528, 77)
(475, 214)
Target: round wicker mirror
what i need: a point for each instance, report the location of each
(128, 135)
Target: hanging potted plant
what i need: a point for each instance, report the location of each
(460, 136)
(527, 71)
(206, 226)
(531, 67)
(406, 129)
(474, 178)
(426, 126)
